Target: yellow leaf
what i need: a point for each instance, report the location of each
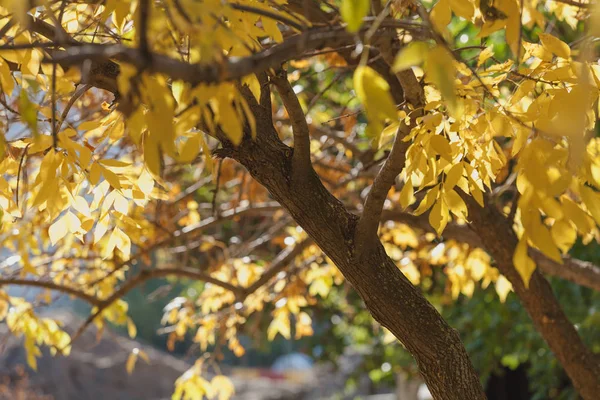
(31, 62)
(6, 78)
(152, 155)
(252, 82)
(190, 149)
(594, 23)
(564, 235)
(524, 89)
(271, 28)
(131, 360)
(280, 324)
(411, 55)
(476, 192)
(438, 216)
(428, 200)
(374, 93)
(118, 239)
(503, 288)
(32, 351)
(441, 146)
(223, 386)
(575, 214)
(303, 325)
(28, 113)
(463, 8)
(178, 88)
(111, 178)
(453, 176)
(592, 202)
(542, 239)
(95, 173)
(58, 230)
(109, 162)
(407, 196)
(523, 264)
(485, 55)
(555, 45)
(353, 12)
(73, 223)
(441, 15)
(145, 182)
(439, 69)
(456, 204)
(513, 24)
(230, 122)
(131, 328)
(520, 140)
(144, 356)
(81, 205)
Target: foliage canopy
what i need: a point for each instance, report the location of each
(141, 140)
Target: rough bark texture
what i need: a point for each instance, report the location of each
(580, 364)
(388, 294)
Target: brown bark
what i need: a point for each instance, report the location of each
(498, 237)
(388, 294)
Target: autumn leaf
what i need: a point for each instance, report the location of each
(438, 216)
(374, 93)
(353, 12)
(412, 55)
(441, 14)
(555, 45)
(28, 113)
(523, 263)
(439, 69)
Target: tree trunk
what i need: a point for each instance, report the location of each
(390, 297)
(580, 364)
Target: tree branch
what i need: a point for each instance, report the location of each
(278, 264)
(576, 3)
(232, 69)
(581, 272)
(52, 286)
(366, 230)
(272, 15)
(388, 294)
(144, 7)
(538, 299)
(301, 155)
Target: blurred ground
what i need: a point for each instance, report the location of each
(96, 370)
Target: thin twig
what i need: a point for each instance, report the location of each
(53, 122)
(23, 155)
(215, 211)
(78, 93)
(576, 3)
(266, 13)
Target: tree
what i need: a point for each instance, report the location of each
(113, 106)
